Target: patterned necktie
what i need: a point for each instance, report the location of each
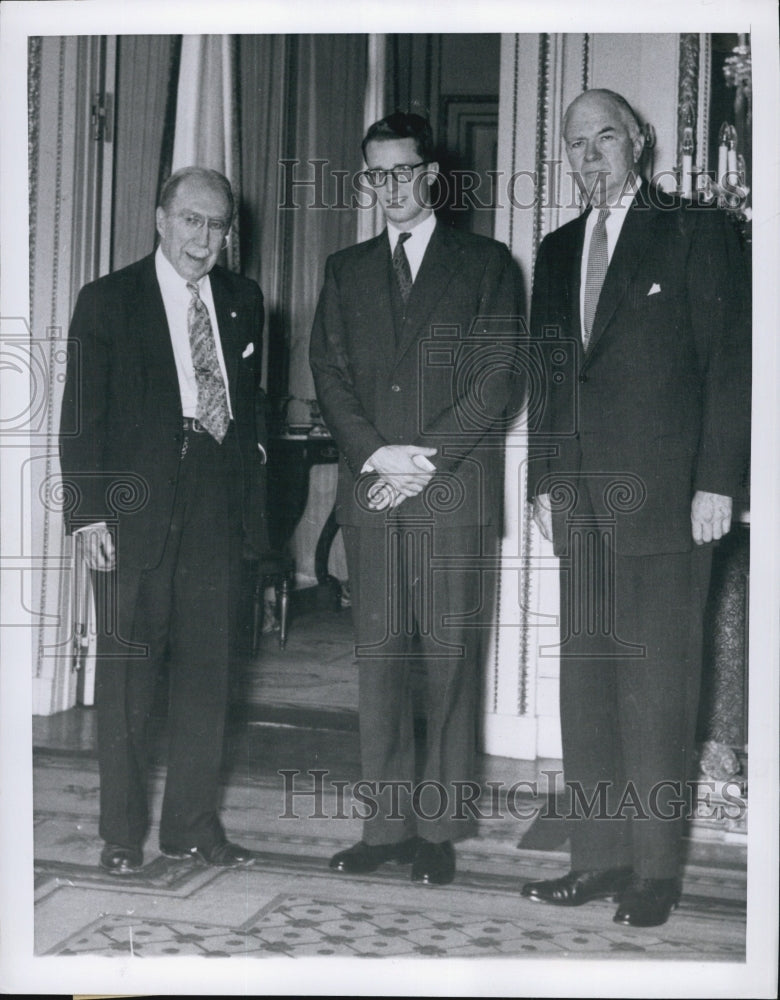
(598, 260)
(401, 267)
(213, 410)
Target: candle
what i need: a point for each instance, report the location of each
(723, 136)
(731, 157)
(686, 181)
(721, 164)
(687, 166)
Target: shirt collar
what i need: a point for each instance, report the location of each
(624, 203)
(170, 278)
(424, 231)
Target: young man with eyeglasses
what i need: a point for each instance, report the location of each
(412, 351)
(159, 451)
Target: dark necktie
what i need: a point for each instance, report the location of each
(401, 267)
(598, 261)
(213, 410)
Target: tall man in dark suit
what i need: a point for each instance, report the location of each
(163, 468)
(642, 445)
(412, 352)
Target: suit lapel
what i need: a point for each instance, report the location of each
(152, 325)
(374, 277)
(440, 261)
(575, 276)
(631, 247)
(228, 314)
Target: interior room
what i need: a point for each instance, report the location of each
(282, 116)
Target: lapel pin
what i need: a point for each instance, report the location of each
(232, 314)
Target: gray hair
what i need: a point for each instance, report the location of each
(627, 113)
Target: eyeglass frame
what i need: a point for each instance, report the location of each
(392, 172)
(195, 222)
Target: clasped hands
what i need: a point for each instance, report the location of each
(710, 516)
(404, 470)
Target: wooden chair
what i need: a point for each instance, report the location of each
(277, 570)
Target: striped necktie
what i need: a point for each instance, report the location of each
(401, 267)
(598, 261)
(213, 410)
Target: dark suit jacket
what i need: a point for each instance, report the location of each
(121, 425)
(661, 398)
(444, 379)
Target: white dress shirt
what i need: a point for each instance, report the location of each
(176, 299)
(417, 243)
(614, 223)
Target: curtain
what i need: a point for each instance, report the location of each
(325, 108)
(145, 66)
(302, 99)
(371, 222)
(263, 87)
(207, 132)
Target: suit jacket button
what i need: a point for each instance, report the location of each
(395, 387)
(582, 378)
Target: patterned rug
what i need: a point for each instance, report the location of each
(290, 904)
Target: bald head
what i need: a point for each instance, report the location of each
(604, 142)
(617, 102)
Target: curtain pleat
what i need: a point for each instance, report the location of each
(328, 102)
(301, 100)
(207, 115)
(263, 87)
(143, 70)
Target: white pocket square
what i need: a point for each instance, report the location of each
(248, 350)
(655, 289)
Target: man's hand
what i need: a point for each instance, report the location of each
(543, 515)
(403, 467)
(98, 547)
(710, 516)
(382, 496)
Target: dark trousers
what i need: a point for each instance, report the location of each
(421, 598)
(631, 631)
(179, 610)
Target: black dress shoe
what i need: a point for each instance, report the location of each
(118, 860)
(647, 902)
(578, 887)
(362, 858)
(434, 864)
(222, 855)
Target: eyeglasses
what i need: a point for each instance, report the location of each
(195, 223)
(401, 174)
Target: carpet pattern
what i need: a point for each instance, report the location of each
(289, 903)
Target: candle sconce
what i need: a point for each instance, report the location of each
(727, 186)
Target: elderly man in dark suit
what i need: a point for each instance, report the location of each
(160, 448)
(641, 446)
(412, 352)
